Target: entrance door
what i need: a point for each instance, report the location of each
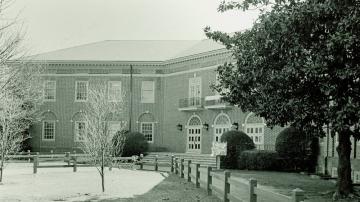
(221, 125)
(218, 130)
(194, 140)
(193, 129)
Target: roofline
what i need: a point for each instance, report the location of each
(163, 62)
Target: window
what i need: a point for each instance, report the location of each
(256, 132)
(50, 90)
(49, 130)
(147, 129)
(114, 91)
(81, 91)
(114, 127)
(194, 91)
(80, 130)
(147, 92)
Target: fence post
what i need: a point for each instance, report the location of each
(182, 168)
(75, 164)
(172, 163)
(253, 184)
(209, 180)
(67, 157)
(226, 186)
(141, 161)
(189, 171)
(218, 162)
(176, 166)
(197, 175)
(36, 162)
(110, 163)
(297, 195)
(156, 163)
(28, 151)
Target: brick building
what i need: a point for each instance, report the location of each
(171, 101)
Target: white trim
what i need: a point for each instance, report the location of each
(108, 91)
(153, 93)
(75, 129)
(222, 114)
(152, 131)
(194, 115)
(87, 90)
(135, 75)
(44, 87)
(43, 131)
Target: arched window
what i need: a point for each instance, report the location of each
(194, 121)
(147, 124)
(222, 124)
(254, 128)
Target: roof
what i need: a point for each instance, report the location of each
(130, 50)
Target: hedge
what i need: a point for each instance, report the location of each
(259, 160)
(237, 142)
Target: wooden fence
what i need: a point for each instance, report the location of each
(228, 188)
(72, 160)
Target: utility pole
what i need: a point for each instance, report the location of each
(131, 96)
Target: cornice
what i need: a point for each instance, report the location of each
(82, 63)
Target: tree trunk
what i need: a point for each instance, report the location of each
(102, 173)
(1, 173)
(2, 166)
(102, 179)
(344, 183)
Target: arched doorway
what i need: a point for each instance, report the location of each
(254, 128)
(222, 124)
(194, 127)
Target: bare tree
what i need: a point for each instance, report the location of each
(20, 88)
(100, 140)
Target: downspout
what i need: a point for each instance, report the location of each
(131, 96)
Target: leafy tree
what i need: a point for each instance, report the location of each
(298, 65)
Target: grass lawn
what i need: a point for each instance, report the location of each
(316, 190)
(172, 189)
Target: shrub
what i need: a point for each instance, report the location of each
(237, 142)
(135, 144)
(290, 143)
(259, 160)
(296, 150)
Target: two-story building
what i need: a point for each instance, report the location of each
(167, 90)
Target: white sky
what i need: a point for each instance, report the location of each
(55, 24)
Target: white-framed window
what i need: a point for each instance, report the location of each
(194, 91)
(81, 91)
(256, 133)
(114, 127)
(114, 91)
(48, 130)
(148, 92)
(50, 90)
(147, 129)
(80, 130)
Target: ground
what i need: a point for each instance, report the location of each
(123, 185)
(316, 190)
(173, 189)
(62, 184)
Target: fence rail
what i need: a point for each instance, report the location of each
(225, 186)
